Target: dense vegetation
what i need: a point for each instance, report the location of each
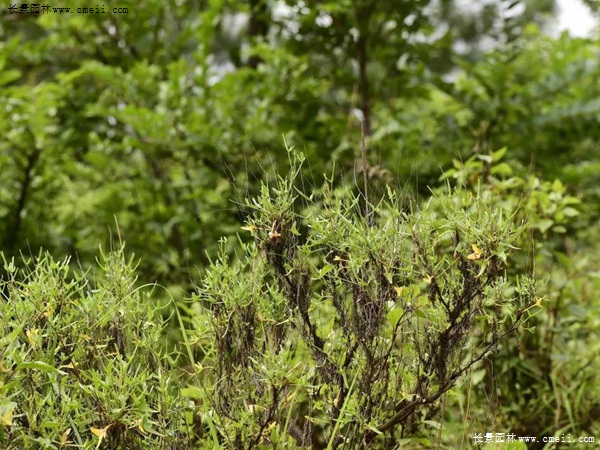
(290, 224)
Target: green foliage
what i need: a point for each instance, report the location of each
(347, 333)
(546, 366)
(152, 117)
(82, 362)
(161, 122)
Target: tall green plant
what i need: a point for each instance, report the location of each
(81, 361)
(329, 331)
(553, 368)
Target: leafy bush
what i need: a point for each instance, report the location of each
(552, 369)
(81, 361)
(342, 324)
(333, 330)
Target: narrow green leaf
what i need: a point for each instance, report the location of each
(499, 154)
(40, 365)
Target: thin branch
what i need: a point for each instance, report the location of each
(12, 236)
(405, 409)
(363, 155)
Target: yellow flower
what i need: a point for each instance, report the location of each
(100, 433)
(476, 253)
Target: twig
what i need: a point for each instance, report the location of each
(363, 155)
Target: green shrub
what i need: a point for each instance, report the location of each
(330, 331)
(546, 381)
(81, 361)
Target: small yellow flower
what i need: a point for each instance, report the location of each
(100, 433)
(274, 234)
(6, 418)
(32, 337)
(140, 425)
(476, 253)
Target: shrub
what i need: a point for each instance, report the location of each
(331, 330)
(81, 363)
